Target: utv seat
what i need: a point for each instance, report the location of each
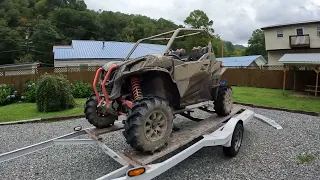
(204, 50)
(194, 54)
(178, 54)
(197, 53)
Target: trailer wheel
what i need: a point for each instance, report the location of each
(236, 141)
(93, 117)
(149, 124)
(223, 103)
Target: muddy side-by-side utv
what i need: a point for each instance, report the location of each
(151, 89)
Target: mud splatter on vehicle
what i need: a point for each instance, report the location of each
(149, 89)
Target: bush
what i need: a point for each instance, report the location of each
(81, 89)
(7, 94)
(54, 93)
(29, 92)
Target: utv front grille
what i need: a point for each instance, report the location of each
(109, 89)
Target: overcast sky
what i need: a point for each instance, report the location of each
(234, 20)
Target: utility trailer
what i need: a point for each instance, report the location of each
(213, 131)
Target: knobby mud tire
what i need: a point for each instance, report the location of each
(223, 103)
(94, 118)
(135, 128)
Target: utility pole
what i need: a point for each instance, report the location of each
(221, 48)
(27, 39)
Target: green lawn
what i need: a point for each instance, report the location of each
(24, 111)
(274, 98)
(256, 96)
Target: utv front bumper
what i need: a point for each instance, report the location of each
(103, 84)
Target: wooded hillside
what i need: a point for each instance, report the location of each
(30, 28)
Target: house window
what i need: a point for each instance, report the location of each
(299, 31)
(318, 30)
(279, 33)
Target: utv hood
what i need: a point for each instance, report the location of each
(111, 63)
(120, 63)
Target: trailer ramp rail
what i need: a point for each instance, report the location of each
(218, 132)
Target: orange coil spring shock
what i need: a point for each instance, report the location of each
(136, 89)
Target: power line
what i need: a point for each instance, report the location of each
(12, 51)
(41, 52)
(78, 27)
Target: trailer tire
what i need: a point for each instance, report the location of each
(90, 111)
(153, 113)
(236, 141)
(223, 103)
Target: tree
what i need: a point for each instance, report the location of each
(217, 45)
(199, 19)
(11, 45)
(229, 46)
(24, 59)
(43, 38)
(239, 52)
(30, 28)
(256, 44)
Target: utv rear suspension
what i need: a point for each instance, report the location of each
(136, 89)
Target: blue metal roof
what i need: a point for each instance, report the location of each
(239, 60)
(87, 49)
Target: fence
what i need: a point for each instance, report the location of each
(19, 77)
(267, 77)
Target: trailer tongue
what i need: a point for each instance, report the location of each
(213, 131)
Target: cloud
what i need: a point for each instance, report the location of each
(291, 11)
(234, 20)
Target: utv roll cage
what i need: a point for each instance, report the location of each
(171, 39)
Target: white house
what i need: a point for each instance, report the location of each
(300, 38)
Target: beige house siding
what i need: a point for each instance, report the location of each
(78, 62)
(257, 63)
(273, 42)
(274, 56)
(253, 64)
(260, 61)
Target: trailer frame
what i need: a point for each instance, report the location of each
(224, 133)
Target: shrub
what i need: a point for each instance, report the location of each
(81, 89)
(7, 94)
(54, 93)
(29, 92)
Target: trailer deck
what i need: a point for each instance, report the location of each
(212, 131)
(180, 138)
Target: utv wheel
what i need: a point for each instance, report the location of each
(236, 142)
(93, 116)
(149, 125)
(223, 103)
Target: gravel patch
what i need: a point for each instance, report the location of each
(266, 153)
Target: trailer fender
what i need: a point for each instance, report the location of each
(242, 118)
(224, 134)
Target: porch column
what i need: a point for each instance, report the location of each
(317, 83)
(286, 68)
(317, 70)
(294, 79)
